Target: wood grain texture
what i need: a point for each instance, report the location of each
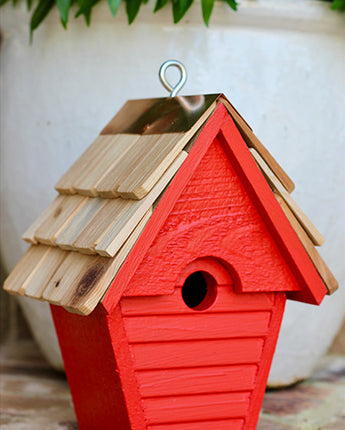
(312, 289)
(114, 154)
(126, 371)
(162, 211)
(81, 297)
(195, 408)
(213, 200)
(113, 212)
(55, 222)
(203, 380)
(196, 353)
(118, 231)
(253, 142)
(77, 272)
(152, 166)
(95, 151)
(29, 235)
(172, 304)
(308, 226)
(231, 424)
(266, 361)
(109, 184)
(327, 276)
(197, 326)
(79, 223)
(25, 268)
(36, 283)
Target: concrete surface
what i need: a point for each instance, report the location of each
(34, 397)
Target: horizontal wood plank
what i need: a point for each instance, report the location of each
(200, 380)
(231, 424)
(227, 300)
(172, 355)
(308, 226)
(327, 276)
(197, 407)
(198, 326)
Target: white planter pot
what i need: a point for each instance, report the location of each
(280, 62)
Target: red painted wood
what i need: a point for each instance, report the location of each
(160, 214)
(201, 325)
(202, 407)
(312, 288)
(210, 265)
(232, 424)
(267, 356)
(172, 304)
(91, 370)
(215, 217)
(196, 353)
(126, 371)
(218, 192)
(203, 380)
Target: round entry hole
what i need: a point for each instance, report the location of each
(199, 291)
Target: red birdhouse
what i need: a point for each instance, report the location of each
(168, 257)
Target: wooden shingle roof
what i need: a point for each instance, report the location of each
(108, 195)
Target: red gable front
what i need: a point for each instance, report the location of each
(219, 205)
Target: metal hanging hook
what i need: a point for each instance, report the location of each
(183, 78)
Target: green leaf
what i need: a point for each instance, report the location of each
(159, 5)
(180, 8)
(2, 2)
(132, 9)
(29, 4)
(85, 8)
(338, 5)
(41, 11)
(114, 6)
(207, 7)
(232, 4)
(63, 6)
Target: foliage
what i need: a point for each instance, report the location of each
(84, 7)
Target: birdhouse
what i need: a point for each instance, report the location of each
(167, 258)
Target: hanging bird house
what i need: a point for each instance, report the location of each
(167, 258)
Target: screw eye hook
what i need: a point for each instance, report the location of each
(183, 76)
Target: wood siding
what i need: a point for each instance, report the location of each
(195, 368)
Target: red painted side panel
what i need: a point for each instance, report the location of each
(231, 424)
(91, 370)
